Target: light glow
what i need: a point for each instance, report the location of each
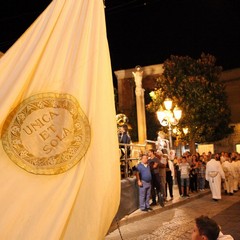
(177, 113)
(168, 103)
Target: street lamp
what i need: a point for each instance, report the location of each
(185, 130)
(169, 117)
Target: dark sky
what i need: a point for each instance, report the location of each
(148, 32)
(15, 17)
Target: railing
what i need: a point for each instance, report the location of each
(128, 161)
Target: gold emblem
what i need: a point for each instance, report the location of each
(47, 133)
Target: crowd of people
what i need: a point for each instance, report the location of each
(191, 172)
(220, 171)
(156, 175)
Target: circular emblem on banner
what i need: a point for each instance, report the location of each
(47, 133)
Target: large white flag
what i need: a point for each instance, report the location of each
(59, 160)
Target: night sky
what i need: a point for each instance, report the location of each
(148, 32)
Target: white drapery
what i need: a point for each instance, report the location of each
(64, 51)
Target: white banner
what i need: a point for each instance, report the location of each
(59, 163)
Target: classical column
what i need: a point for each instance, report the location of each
(140, 102)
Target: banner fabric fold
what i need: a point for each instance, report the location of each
(59, 158)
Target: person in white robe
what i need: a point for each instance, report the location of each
(214, 175)
(229, 172)
(206, 228)
(236, 168)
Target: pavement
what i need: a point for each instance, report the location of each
(176, 218)
(229, 219)
(177, 201)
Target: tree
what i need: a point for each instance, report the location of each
(194, 86)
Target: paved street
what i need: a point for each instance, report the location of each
(176, 220)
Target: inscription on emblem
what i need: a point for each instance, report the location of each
(47, 133)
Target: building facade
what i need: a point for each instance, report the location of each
(231, 79)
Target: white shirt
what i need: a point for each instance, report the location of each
(224, 237)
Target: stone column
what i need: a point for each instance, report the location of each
(140, 102)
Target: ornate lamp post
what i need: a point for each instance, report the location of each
(169, 117)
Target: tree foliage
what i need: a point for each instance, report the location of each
(194, 86)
